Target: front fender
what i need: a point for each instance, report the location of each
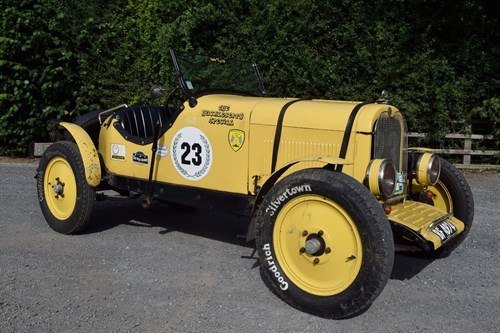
(328, 160)
(88, 152)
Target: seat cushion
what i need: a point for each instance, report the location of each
(140, 120)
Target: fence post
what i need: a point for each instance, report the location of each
(467, 146)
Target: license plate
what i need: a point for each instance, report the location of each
(445, 230)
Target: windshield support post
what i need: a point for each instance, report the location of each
(178, 73)
(257, 73)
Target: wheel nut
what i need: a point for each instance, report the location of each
(302, 250)
(304, 233)
(320, 232)
(316, 261)
(328, 250)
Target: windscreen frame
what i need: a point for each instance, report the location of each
(188, 92)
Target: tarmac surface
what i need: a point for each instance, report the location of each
(160, 270)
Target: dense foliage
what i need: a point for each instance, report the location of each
(438, 59)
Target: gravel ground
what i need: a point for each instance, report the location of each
(158, 270)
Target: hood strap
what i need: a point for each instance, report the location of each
(279, 126)
(347, 133)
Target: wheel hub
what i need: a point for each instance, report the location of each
(58, 188)
(315, 245)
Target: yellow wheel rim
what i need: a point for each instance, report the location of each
(60, 188)
(322, 273)
(442, 198)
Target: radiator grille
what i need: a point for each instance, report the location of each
(390, 140)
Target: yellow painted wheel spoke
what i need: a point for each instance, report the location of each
(317, 220)
(60, 188)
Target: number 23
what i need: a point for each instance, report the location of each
(196, 160)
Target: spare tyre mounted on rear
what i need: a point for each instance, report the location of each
(324, 243)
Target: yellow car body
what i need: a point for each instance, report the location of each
(311, 137)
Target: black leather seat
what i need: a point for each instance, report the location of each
(140, 120)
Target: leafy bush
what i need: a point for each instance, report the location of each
(438, 59)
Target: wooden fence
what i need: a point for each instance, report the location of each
(467, 151)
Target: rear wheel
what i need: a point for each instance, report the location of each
(65, 197)
(324, 243)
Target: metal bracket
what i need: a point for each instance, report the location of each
(110, 110)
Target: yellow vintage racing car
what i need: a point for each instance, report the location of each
(329, 186)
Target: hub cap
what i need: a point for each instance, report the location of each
(317, 245)
(313, 246)
(60, 188)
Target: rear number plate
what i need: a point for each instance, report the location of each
(445, 230)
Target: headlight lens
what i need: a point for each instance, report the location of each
(428, 169)
(387, 178)
(381, 177)
(434, 170)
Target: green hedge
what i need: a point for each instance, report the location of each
(438, 59)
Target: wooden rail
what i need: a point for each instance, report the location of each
(467, 151)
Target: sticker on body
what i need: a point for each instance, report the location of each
(117, 152)
(162, 150)
(191, 153)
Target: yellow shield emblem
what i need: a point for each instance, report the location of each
(236, 139)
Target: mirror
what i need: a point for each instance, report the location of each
(157, 91)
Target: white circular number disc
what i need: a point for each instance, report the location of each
(191, 153)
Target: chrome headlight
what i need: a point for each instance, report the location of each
(381, 177)
(428, 169)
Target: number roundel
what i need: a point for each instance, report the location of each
(192, 153)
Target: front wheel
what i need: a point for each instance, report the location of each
(452, 194)
(324, 243)
(65, 197)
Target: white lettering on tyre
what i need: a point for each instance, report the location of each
(274, 205)
(272, 267)
(39, 185)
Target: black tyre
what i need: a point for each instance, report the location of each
(453, 194)
(324, 243)
(65, 197)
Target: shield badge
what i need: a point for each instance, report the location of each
(236, 139)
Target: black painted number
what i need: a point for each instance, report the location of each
(197, 154)
(196, 160)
